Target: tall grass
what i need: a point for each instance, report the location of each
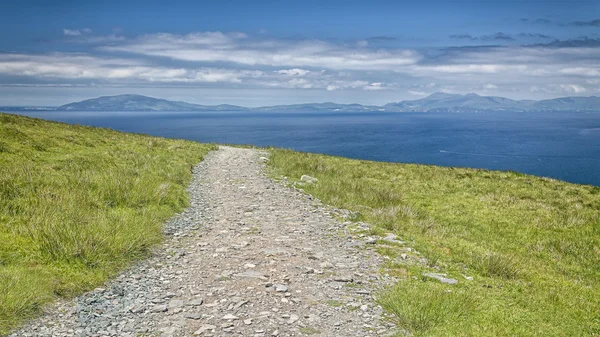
(531, 244)
(79, 203)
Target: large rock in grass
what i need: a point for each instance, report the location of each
(441, 277)
(308, 179)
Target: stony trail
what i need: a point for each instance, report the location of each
(249, 257)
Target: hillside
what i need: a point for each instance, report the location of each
(77, 204)
(464, 252)
(524, 250)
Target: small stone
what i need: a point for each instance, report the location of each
(137, 310)
(280, 288)
(263, 159)
(441, 277)
(390, 237)
(248, 321)
(175, 304)
(293, 318)
(204, 328)
(326, 265)
(193, 316)
(230, 317)
(239, 304)
(249, 265)
(160, 308)
(345, 279)
(371, 241)
(197, 302)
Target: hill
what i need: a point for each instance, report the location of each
(441, 102)
(139, 103)
(437, 102)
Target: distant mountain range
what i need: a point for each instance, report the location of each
(141, 103)
(437, 102)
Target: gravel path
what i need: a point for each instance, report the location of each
(250, 257)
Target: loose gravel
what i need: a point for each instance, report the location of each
(249, 257)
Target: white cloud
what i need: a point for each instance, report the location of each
(572, 88)
(240, 49)
(582, 71)
(76, 32)
(73, 66)
(238, 60)
(374, 86)
(293, 72)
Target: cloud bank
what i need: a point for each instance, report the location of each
(239, 60)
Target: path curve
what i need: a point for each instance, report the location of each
(249, 257)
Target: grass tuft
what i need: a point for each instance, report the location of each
(495, 265)
(421, 308)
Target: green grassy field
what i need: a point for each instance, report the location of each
(77, 204)
(532, 245)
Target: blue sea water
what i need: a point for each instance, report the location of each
(565, 146)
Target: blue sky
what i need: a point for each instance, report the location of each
(275, 52)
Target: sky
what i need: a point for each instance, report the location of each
(255, 53)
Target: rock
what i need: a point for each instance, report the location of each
(196, 302)
(391, 237)
(308, 179)
(344, 278)
(160, 308)
(326, 265)
(137, 309)
(175, 304)
(263, 159)
(441, 277)
(280, 288)
(293, 318)
(248, 321)
(230, 317)
(371, 241)
(204, 328)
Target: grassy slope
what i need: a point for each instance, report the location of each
(531, 244)
(79, 203)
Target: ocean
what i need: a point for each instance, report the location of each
(564, 146)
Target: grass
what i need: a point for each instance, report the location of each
(77, 204)
(531, 244)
